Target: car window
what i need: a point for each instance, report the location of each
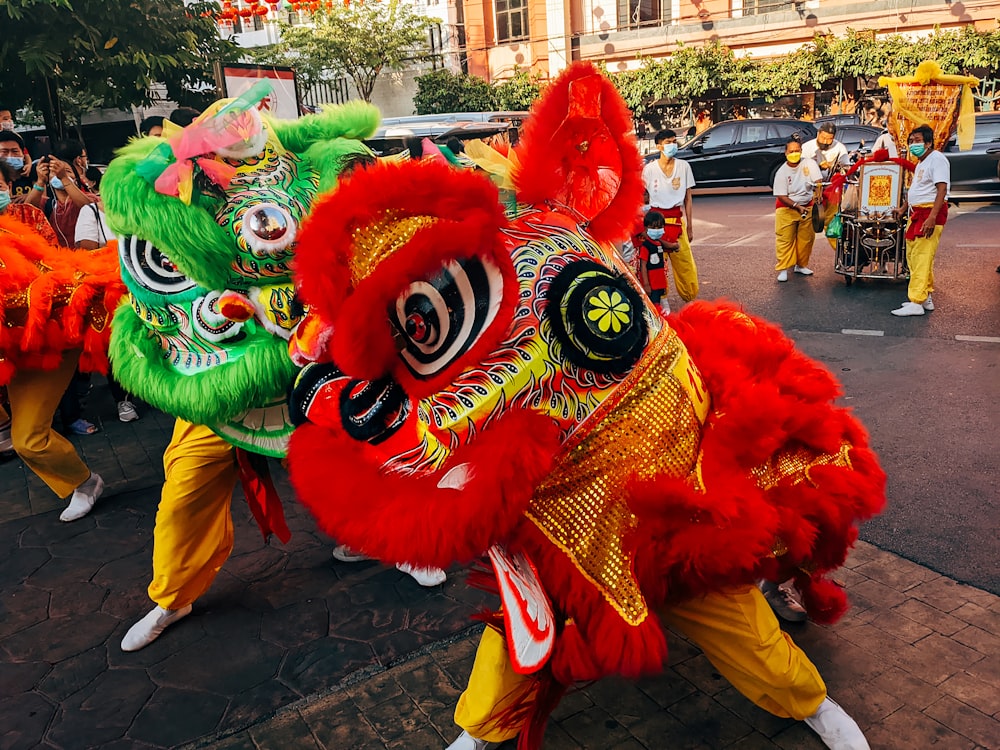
(787, 129)
(719, 136)
(987, 132)
(753, 132)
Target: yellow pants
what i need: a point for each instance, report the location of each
(683, 267)
(34, 397)
(193, 535)
(794, 238)
(920, 258)
(737, 631)
(829, 212)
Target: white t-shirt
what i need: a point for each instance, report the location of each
(797, 182)
(667, 192)
(834, 153)
(886, 141)
(932, 169)
(91, 225)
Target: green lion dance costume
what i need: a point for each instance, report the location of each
(208, 217)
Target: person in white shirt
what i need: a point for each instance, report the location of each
(794, 189)
(928, 208)
(831, 155)
(669, 181)
(885, 141)
(91, 228)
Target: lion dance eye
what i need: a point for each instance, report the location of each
(440, 319)
(150, 268)
(268, 228)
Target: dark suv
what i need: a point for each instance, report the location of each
(975, 174)
(742, 153)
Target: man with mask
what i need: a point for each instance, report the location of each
(669, 181)
(927, 202)
(13, 152)
(829, 153)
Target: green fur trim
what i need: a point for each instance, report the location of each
(220, 394)
(188, 235)
(329, 157)
(353, 120)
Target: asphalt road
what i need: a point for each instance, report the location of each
(929, 396)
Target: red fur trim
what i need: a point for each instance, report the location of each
(825, 601)
(55, 320)
(408, 518)
(767, 398)
(577, 150)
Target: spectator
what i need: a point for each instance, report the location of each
(13, 152)
(69, 186)
(152, 125)
(6, 118)
(183, 116)
(794, 186)
(830, 154)
(653, 259)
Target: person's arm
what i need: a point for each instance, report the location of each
(36, 196)
(65, 173)
(783, 198)
(929, 223)
(687, 213)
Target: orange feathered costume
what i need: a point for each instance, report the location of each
(53, 299)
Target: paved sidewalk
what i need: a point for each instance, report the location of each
(916, 662)
(290, 649)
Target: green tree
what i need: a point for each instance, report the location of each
(109, 52)
(443, 91)
(517, 92)
(360, 41)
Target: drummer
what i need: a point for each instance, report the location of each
(830, 154)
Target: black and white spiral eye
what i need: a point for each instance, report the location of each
(268, 228)
(150, 268)
(441, 318)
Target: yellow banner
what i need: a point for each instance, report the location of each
(931, 98)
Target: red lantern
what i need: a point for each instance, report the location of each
(260, 10)
(246, 13)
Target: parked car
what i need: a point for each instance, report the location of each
(741, 153)
(838, 120)
(392, 138)
(975, 175)
(856, 137)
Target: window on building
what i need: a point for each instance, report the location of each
(635, 13)
(512, 20)
(759, 7)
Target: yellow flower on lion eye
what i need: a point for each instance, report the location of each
(610, 310)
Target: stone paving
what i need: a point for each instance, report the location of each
(291, 649)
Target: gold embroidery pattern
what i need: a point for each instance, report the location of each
(376, 241)
(796, 464)
(581, 507)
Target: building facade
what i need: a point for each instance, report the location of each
(544, 36)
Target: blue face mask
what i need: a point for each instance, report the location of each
(15, 161)
(56, 183)
(917, 149)
(646, 207)
(670, 150)
(4, 199)
(654, 234)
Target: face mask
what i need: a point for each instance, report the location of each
(645, 208)
(4, 199)
(7, 125)
(56, 183)
(15, 161)
(794, 158)
(654, 234)
(669, 150)
(917, 149)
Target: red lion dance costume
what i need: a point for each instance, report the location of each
(498, 383)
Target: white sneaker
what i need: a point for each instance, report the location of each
(803, 270)
(928, 304)
(126, 411)
(149, 628)
(907, 309)
(424, 576)
(83, 499)
(664, 306)
(345, 554)
(6, 443)
(837, 730)
(783, 276)
(466, 741)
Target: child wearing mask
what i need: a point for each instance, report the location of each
(652, 249)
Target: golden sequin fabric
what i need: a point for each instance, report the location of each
(796, 464)
(377, 240)
(656, 414)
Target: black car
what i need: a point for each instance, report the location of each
(855, 137)
(975, 175)
(741, 153)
